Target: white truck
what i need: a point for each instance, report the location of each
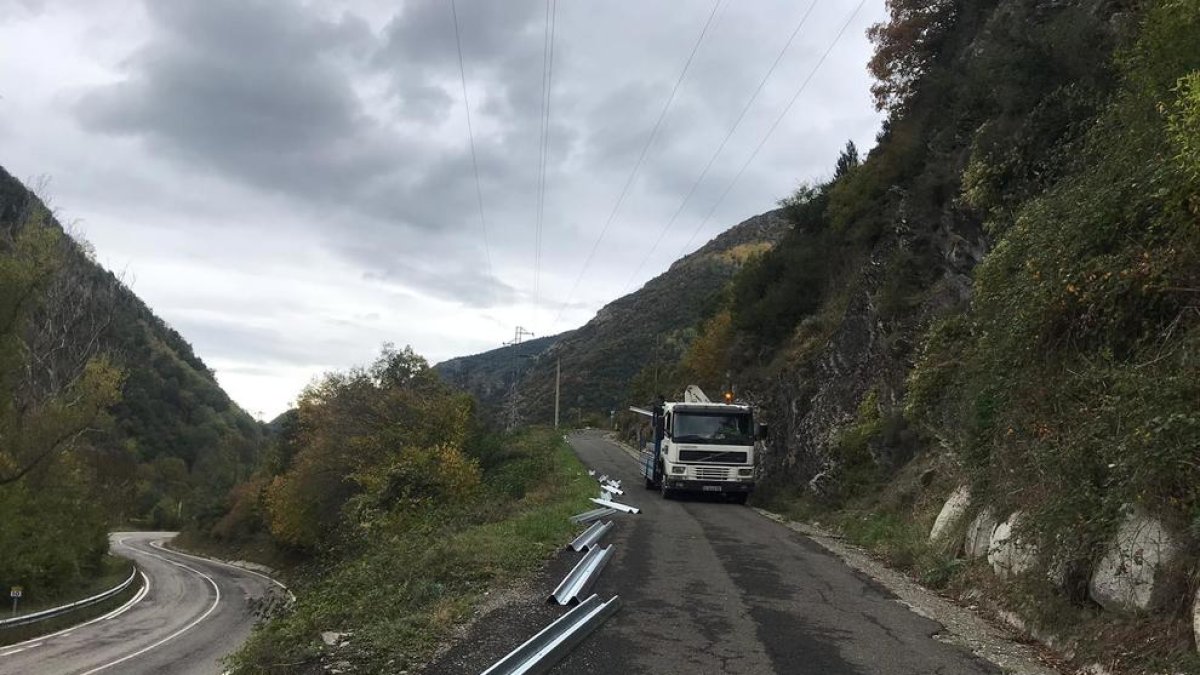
(701, 446)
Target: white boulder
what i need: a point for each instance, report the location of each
(952, 512)
(1130, 576)
(333, 638)
(979, 533)
(1007, 555)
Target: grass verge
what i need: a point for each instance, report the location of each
(398, 596)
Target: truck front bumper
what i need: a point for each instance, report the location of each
(733, 486)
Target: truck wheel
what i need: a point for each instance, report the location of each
(650, 484)
(739, 497)
(667, 493)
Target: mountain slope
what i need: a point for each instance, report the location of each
(489, 375)
(992, 323)
(176, 443)
(651, 325)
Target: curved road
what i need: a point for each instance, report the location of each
(192, 612)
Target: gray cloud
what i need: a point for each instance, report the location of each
(261, 346)
(442, 277)
(254, 89)
(21, 8)
(264, 92)
(304, 134)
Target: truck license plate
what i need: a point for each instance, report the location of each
(712, 488)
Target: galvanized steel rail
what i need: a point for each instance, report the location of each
(594, 514)
(581, 577)
(609, 490)
(591, 536)
(609, 504)
(543, 650)
(53, 612)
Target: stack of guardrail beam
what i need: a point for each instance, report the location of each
(540, 652)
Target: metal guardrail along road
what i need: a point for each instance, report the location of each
(53, 612)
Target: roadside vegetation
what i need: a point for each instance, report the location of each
(394, 511)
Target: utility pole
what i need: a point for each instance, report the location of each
(514, 416)
(557, 383)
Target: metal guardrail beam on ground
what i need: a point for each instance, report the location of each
(581, 577)
(609, 504)
(594, 514)
(591, 536)
(538, 654)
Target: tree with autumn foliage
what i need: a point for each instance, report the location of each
(706, 362)
(905, 46)
(370, 445)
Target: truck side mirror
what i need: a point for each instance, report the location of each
(761, 433)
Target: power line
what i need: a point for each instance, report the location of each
(462, 71)
(837, 38)
(711, 160)
(641, 158)
(547, 90)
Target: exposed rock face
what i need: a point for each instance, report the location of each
(809, 401)
(1008, 555)
(951, 514)
(1196, 620)
(979, 533)
(1130, 577)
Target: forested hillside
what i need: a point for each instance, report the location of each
(1003, 296)
(628, 340)
(489, 375)
(108, 416)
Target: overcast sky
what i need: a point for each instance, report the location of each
(289, 183)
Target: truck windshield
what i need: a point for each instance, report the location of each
(712, 428)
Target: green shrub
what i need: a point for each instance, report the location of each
(401, 591)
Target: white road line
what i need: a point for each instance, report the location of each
(177, 633)
(222, 563)
(137, 597)
(10, 652)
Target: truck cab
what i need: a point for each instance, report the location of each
(701, 446)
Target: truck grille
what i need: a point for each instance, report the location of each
(714, 456)
(712, 472)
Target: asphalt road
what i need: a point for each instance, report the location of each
(714, 587)
(194, 612)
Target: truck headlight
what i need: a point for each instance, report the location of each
(745, 472)
(679, 469)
